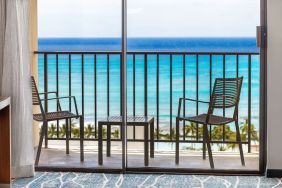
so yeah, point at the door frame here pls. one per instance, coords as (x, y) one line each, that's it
(262, 108)
(262, 120)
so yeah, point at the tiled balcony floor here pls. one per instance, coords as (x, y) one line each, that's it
(55, 156)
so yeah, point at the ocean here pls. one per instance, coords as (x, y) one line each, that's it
(149, 45)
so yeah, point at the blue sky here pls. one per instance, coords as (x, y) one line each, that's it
(149, 18)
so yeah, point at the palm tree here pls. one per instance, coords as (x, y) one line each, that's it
(160, 133)
(190, 130)
(230, 135)
(222, 148)
(244, 132)
(115, 134)
(216, 133)
(200, 132)
(88, 131)
(172, 134)
(62, 131)
(52, 131)
(75, 132)
(104, 132)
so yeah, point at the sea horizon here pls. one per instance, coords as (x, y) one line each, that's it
(174, 44)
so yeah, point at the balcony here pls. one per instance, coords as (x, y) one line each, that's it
(155, 82)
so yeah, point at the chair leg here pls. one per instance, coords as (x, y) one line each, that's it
(67, 137)
(152, 146)
(146, 145)
(108, 140)
(204, 144)
(42, 134)
(177, 142)
(240, 143)
(81, 138)
(46, 136)
(206, 134)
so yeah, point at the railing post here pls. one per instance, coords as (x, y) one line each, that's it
(224, 70)
(134, 91)
(46, 95)
(69, 81)
(249, 102)
(197, 94)
(108, 85)
(95, 94)
(210, 58)
(170, 94)
(70, 107)
(145, 85)
(184, 92)
(57, 90)
(158, 96)
(82, 90)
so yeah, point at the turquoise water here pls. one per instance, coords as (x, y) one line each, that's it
(219, 44)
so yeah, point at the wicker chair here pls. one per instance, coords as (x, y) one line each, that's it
(45, 117)
(226, 94)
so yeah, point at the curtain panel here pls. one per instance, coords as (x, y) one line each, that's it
(15, 82)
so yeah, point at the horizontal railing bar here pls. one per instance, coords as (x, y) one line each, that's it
(140, 140)
(148, 52)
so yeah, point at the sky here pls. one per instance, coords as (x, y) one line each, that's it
(148, 18)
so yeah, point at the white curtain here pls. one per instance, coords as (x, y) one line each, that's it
(15, 82)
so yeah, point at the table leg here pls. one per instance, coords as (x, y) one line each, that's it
(108, 140)
(146, 145)
(81, 138)
(100, 144)
(152, 145)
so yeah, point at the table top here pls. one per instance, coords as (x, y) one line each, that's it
(130, 120)
(4, 101)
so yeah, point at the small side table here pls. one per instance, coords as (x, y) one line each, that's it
(5, 141)
(131, 120)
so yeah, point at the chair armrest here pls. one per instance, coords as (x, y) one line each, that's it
(50, 92)
(56, 94)
(67, 97)
(194, 100)
(188, 99)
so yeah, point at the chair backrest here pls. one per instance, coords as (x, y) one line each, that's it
(35, 95)
(226, 92)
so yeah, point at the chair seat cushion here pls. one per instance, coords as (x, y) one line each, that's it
(214, 120)
(54, 116)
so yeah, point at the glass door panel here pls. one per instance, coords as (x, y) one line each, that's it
(79, 55)
(176, 49)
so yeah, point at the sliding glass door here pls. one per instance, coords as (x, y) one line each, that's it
(131, 63)
(80, 44)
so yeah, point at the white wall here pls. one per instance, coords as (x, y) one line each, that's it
(274, 90)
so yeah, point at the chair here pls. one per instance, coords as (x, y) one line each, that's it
(45, 117)
(226, 94)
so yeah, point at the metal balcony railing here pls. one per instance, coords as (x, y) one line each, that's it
(148, 73)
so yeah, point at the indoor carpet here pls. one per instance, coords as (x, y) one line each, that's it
(89, 180)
